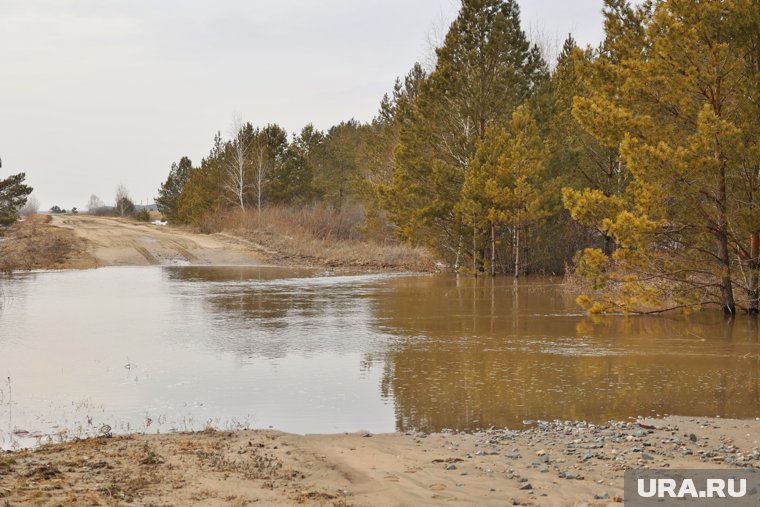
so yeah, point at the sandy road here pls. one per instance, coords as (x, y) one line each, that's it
(119, 242)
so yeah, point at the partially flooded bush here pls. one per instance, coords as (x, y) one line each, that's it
(318, 234)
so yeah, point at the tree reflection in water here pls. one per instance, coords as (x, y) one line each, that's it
(477, 353)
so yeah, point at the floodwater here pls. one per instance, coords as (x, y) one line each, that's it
(156, 349)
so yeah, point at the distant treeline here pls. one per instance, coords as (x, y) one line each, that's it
(636, 162)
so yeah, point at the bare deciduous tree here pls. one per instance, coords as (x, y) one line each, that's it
(260, 164)
(124, 204)
(31, 207)
(237, 180)
(94, 203)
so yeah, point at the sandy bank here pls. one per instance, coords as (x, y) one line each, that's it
(86, 241)
(118, 242)
(552, 464)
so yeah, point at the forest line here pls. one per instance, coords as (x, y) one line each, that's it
(636, 164)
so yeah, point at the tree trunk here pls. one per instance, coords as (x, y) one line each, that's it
(754, 264)
(459, 253)
(525, 268)
(474, 253)
(517, 252)
(609, 245)
(493, 249)
(726, 285)
(258, 196)
(241, 174)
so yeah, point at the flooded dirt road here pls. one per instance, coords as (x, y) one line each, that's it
(121, 242)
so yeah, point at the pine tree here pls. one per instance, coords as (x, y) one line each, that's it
(586, 81)
(381, 138)
(485, 69)
(505, 183)
(172, 188)
(13, 195)
(338, 168)
(204, 191)
(682, 118)
(292, 181)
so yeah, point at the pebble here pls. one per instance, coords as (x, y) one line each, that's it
(579, 445)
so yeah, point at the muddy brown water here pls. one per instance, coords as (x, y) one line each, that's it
(156, 349)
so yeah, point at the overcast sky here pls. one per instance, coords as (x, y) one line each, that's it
(94, 93)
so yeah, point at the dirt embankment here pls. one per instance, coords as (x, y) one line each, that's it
(37, 244)
(553, 464)
(84, 241)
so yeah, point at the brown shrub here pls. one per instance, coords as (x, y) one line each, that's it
(319, 235)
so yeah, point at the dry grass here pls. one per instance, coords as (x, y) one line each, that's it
(33, 244)
(573, 282)
(318, 235)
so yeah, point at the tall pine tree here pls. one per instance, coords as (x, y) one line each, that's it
(485, 69)
(684, 237)
(172, 188)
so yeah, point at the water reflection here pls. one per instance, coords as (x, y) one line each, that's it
(271, 312)
(480, 353)
(308, 351)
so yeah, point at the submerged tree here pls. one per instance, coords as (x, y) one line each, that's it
(683, 235)
(485, 69)
(505, 184)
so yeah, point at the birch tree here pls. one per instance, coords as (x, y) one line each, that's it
(236, 181)
(124, 205)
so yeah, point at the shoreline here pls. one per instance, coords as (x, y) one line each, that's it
(54, 242)
(553, 464)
